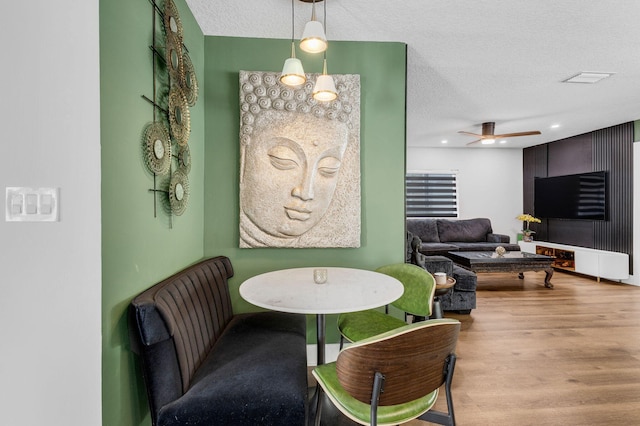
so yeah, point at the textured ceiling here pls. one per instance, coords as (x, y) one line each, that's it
(476, 61)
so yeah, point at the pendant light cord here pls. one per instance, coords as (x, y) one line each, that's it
(324, 19)
(324, 22)
(293, 17)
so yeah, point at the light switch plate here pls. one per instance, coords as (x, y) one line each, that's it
(25, 204)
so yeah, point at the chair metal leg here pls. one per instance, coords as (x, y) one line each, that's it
(447, 419)
(318, 405)
(378, 382)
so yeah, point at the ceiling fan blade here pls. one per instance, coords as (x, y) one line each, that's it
(474, 142)
(513, 135)
(470, 134)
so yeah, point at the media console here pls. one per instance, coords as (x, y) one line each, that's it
(598, 263)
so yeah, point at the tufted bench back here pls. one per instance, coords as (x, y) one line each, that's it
(176, 322)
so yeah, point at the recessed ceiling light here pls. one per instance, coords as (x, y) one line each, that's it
(588, 77)
(445, 141)
(503, 141)
(555, 126)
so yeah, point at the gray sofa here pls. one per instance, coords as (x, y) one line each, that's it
(440, 236)
(462, 297)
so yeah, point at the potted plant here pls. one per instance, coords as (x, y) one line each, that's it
(527, 234)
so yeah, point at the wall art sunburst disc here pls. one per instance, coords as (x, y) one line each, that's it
(174, 59)
(184, 159)
(157, 148)
(189, 80)
(179, 192)
(172, 22)
(179, 116)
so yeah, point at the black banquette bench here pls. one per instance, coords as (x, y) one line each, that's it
(203, 365)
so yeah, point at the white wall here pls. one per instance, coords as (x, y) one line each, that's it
(489, 182)
(50, 369)
(635, 279)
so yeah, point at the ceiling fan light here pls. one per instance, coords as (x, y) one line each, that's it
(313, 38)
(488, 141)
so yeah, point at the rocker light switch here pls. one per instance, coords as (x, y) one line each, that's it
(32, 204)
(45, 203)
(16, 203)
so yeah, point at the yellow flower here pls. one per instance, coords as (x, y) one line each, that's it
(525, 217)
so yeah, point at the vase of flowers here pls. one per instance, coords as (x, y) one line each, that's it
(526, 219)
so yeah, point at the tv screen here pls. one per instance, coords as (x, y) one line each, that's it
(580, 196)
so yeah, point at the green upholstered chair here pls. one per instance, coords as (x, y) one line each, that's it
(417, 299)
(394, 377)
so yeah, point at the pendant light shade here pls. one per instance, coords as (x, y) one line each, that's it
(313, 39)
(325, 88)
(292, 71)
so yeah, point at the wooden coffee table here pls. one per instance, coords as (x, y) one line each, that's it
(513, 261)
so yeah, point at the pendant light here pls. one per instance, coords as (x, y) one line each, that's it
(325, 88)
(313, 38)
(292, 72)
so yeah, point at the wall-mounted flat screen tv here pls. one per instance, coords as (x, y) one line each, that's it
(579, 196)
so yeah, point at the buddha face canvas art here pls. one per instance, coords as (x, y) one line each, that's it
(299, 164)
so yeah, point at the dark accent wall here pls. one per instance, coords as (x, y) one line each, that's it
(609, 149)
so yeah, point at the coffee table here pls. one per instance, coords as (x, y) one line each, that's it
(513, 261)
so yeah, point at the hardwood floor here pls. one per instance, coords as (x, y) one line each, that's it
(529, 355)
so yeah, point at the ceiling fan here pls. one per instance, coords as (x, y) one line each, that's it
(488, 136)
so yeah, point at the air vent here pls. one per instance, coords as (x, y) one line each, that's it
(588, 77)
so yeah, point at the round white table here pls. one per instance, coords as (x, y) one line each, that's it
(346, 290)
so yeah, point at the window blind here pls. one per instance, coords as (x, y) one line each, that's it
(431, 195)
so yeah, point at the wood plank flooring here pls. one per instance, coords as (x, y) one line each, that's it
(529, 355)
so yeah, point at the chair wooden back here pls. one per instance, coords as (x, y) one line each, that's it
(412, 359)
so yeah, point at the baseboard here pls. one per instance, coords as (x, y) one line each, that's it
(330, 353)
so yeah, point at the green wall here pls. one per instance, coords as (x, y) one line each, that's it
(138, 249)
(381, 67)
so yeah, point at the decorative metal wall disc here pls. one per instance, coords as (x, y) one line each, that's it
(179, 117)
(157, 148)
(184, 159)
(172, 22)
(179, 192)
(189, 80)
(173, 57)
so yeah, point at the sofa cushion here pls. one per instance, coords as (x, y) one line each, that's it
(467, 230)
(497, 238)
(247, 376)
(463, 246)
(426, 229)
(437, 248)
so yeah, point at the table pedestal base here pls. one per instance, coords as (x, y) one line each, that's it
(320, 333)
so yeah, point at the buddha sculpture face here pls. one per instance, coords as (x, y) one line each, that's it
(289, 171)
(299, 164)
